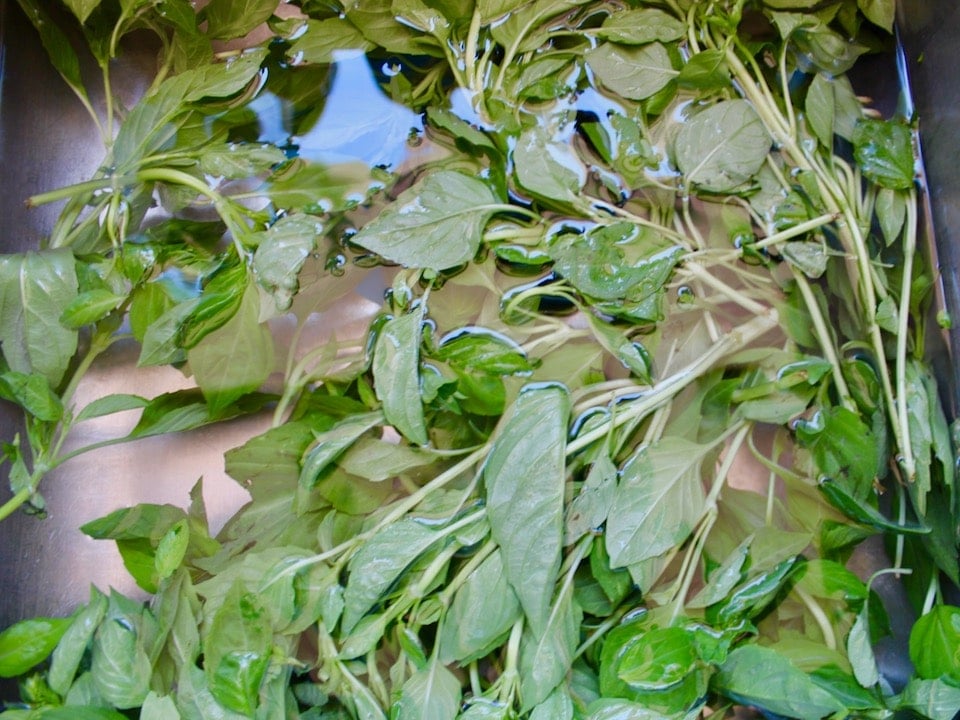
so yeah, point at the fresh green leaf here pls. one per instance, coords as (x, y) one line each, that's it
(120, 664)
(330, 444)
(658, 501)
(641, 26)
(547, 166)
(281, 254)
(322, 39)
(61, 53)
(706, 70)
(90, 307)
(82, 8)
(35, 290)
(435, 225)
(935, 643)
(545, 658)
(379, 562)
(759, 676)
(159, 707)
(524, 478)
(590, 508)
(396, 374)
(431, 693)
(109, 404)
(722, 147)
(635, 73)
(227, 19)
(860, 651)
(33, 394)
(481, 614)
(28, 643)
(884, 152)
(879, 12)
(236, 650)
(934, 699)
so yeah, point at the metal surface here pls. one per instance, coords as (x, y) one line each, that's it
(47, 140)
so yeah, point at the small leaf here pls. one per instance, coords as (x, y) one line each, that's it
(860, 651)
(820, 109)
(109, 404)
(90, 307)
(481, 614)
(706, 70)
(320, 40)
(120, 664)
(378, 564)
(74, 643)
(880, 12)
(33, 394)
(436, 224)
(547, 166)
(639, 27)
(659, 499)
(82, 8)
(546, 658)
(884, 152)
(282, 251)
(330, 444)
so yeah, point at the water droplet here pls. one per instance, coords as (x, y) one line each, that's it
(336, 263)
(391, 69)
(685, 295)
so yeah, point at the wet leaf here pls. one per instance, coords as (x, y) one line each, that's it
(935, 644)
(432, 693)
(884, 152)
(721, 148)
(545, 658)
(436, 224)
(524, 477)
(228, 19)
(28, 643)
(658, 501)
(632, 72)
(641, 26)
(396, 374)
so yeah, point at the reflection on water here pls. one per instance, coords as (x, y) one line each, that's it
(358, 122)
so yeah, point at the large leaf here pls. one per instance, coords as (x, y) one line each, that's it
(74, 643)
(432, 693)
(121, 666)
(396, 374)
(237, 649)
(884, 152)
(35, 289)
(658, 502)
(524, 477)
(721, 148)
(760, 676)
(934, 644)
(28, 643)
(379, 562)
(436, 224)
(934, 699)
(330, 444)
(236, 358)
(633, 72)
(482, 613)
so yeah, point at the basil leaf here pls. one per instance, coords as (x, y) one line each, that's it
(82, 8)
(934, 699)
(89, 307)
(74, 643)
(227, 19)
(724, 578)
(379, 460)
(396, 374)
(120, 665)
(481, 614)
(820, 107)
(547, 166)
(642, 26)
(378, 563)
(35, 289)
(61, 53)
(860, 651)
(721, 148)
(634, 73)
(237, 650)
(157, 707)
(321, 39)
(431, 693)
(28, 643)
(884, 151)
(478, 350)
(236, 358)
(33, 394)
(545, 658)
(658, 501)
(589, 509)
(109, 404)
(760, 676)
(330, 444)
(436, 224)
(524, 477)
(706, 70)
(934, 640)
(879, 12)
(239, 160)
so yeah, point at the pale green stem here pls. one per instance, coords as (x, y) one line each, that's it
(906, 459)
(824, 337)
(691, 560)
(795, 231)
(819, 616)
(662, 392)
